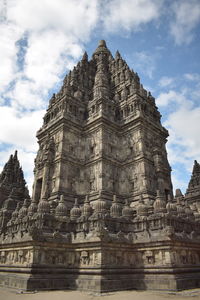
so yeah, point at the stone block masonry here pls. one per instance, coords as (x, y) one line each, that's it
(102, 216)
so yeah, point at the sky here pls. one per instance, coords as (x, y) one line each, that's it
(41, 40)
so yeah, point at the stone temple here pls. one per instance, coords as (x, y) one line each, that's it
(102, 216)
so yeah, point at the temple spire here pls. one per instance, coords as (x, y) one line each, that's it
(101, 82)
(196, 168)
(12, 177)
(193, 190)
(117, 55)
(85, 56)
(102, 48)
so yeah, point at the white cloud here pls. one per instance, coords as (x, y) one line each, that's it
(20, 129)
(130, 14)
(26, 96)
(184, 144)
(194, 79)
(42, 67)
(187, 16)
(68, 16)
(183, 123)
(144, 62)
(54, 33)
(9, 34)
(192, 76)
(166, 81)
(44, 61)
(39, 40)
(184, 127)
(165, 99)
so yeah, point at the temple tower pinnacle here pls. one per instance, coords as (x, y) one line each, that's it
(105, 135)
(102, 216)
(12, 177)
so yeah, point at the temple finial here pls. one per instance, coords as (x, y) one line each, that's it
(102, 43)
(102, 48)
(15, 155)
(117, 55)
(85, 56)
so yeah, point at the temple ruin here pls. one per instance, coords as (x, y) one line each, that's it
(102, 215)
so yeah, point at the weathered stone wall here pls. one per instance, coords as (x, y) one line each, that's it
(101, 266)
(102, 216)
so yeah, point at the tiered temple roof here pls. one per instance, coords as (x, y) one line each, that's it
(193, 190)
(102, 216)
(12, 177)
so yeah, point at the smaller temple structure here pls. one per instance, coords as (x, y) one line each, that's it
(193, 190)
(13, 189)
(12, 177)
